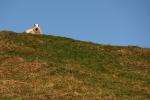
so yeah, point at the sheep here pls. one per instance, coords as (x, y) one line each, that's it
(35, 30)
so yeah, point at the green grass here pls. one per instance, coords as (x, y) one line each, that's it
(44, 67)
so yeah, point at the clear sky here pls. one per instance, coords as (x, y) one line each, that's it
(115, 22)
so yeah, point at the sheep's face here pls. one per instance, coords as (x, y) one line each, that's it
(36, 30)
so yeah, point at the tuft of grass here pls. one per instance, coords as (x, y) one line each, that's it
(48, 67)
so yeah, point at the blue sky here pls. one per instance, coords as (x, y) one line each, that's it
(115, 22)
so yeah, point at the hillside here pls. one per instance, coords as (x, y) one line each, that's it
(44, 67)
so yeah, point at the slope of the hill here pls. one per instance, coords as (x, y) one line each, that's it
(39, 67)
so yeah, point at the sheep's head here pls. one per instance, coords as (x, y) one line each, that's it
(36, 25)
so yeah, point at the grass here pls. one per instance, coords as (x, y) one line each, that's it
(44, 67)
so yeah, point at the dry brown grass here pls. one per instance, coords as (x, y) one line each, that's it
(69, 87)
(30, 67)
(134, 51)
(124, 52)
(7, 45)
(138, 86)
(134, 64)
(13, 87)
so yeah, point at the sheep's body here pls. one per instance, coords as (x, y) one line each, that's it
(35, 30)
(29, 31)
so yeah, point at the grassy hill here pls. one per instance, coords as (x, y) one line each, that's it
(44, 67)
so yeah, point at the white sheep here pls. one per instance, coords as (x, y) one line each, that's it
(35, 30)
